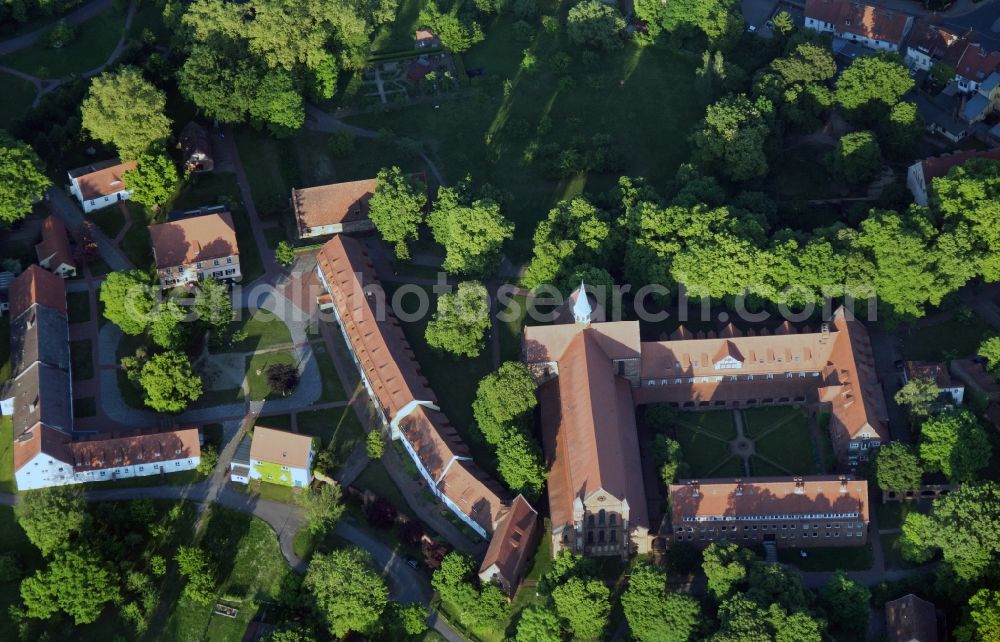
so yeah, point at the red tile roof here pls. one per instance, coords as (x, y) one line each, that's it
(511, 544)
(37, 285)
(938, 41)
(197, 238)
(911, 619)
(332, 204)
(978, 62)
(861, 19)
(104, 181)
(937, 166)
(55, 244)
(281, 447)
(133, 450)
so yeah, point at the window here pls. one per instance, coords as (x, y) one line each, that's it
(198, 265)
(612, 518)
(601, 517)
(590, 521)
(215, 262)
(229, 259)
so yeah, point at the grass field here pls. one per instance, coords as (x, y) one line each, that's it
(702, 452)
(95, 40)
(758, 421)
(250, 568)
(136, 244)
(7, 455)
(717, 423)
(338, 428)
(263, 329)
(110, 220)
(17, 99)
(488, 131)
(78, 306)
(787, 445)
(374, 478)
(81, 359)
(332, 388)
(946, 340)
(258, 382)
(846, 558)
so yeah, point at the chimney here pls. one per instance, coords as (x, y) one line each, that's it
(843, 485)
(739, 487)
(695, 488)
(800, 486)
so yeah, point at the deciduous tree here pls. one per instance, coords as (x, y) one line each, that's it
(169, 382)
(989, 349)
(918, 395)
(374, 445)
(323, 508)
(871, 86)
(982, 619)
(955, 444)
(213, 304)
(349, 594)
(574, 233)
(22, 179)
(397, 208)
(153, 181)
(584, 606)
(857, 157)
(282, 378)
(76, 582)
(502, 398)
(471, 231)
(128, 299)
(52, 517)
(725, 565)
(456, 33)
(655, 615)
(126, 111)
(846, 604)
(897, 467)
(194, 564)
(460, 323)
(538, 624)
(593, 24)
(166, 325)
(519, 462)
(732, 138)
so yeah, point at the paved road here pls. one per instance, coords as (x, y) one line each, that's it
(66, 208)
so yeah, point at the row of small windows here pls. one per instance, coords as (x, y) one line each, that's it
(718, 379)
(612, 537)
(772, 527)
(681, 536)
(765, 518)
(600, 519)
(198, 266)
(731, 362)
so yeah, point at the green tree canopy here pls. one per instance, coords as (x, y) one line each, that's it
(846, 604)
(962, 526)
(397, 208)
(726, 566)
(166, 326)
(169, 382)
(903, 130)
(460, 323)
(955, 444)
(732, 138)
(52, 517)
(965, 201)
(857, 157)
(655, 615)
(195, 566)
(213, 304)
(323, 508)
(349, 594)
(374, 445)
(720, 21)
(22, 179)
(471, 231)
(456, 33)
(989, 349)
(982, 619)
(475, 607)
(153, 181)
(128, 300)
(918, 395)
(76, 582)
(503, 397)
(593, 24)
(574, 233)
(538, 624)
(897, 467)
(519, 462)
(871, 86)
(125, 110)
(584, 605)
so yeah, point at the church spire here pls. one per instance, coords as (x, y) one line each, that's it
(582, 311)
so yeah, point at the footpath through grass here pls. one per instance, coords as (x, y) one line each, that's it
(94, 42)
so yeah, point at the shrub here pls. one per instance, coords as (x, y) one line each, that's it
(60, 35)
(523, 32)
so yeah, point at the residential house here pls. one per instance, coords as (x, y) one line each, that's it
(911, 619)
(407, 406)
(792, 512)
(984, 101)
(875, 27)
(188, 250)
(931, 43)
(196, 148)
(281, 457)
(975, 66)
(518, 530)
(54, 253)
(973, 372)
(100, 184)
(951, 392)
(39, 400)
(941, 113)
(333, 209)
(921, 174)
(239, 465)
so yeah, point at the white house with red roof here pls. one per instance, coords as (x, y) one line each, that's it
(100, 184)
(921, 173)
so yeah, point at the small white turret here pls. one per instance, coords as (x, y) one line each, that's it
(582, 311)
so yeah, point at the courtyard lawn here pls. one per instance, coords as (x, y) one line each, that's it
(511, 330)
(846, 558)
(78, 306)
(221, 188)
(788, 446)
(338, 429)
(95, 40)
(84, 407)
(702, 452)
(759, 421)
(279, 422)
(716, 423)
(946, 340)
(730, 467)
(251, 571)
(136, 243)
(110, 220)
(332, 388)
(19, 94)
(257, 383)
(376, 479)
(488, 131)
(263, 330)
(81, 359)
(7, 455)
(760, 467)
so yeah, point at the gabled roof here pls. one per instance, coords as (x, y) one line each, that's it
(37, 285)
(433, 439)
(475, 494)
(197, 238)
(510, 545)
(937, 166)
(940, 42)
(101, 179)
(545, 343)
(860, 19)
(281, 447)
(41, 439)
(39, 335)
(729, 350)
(911, 619)
(764, 496)
(55, 244)
(128, 450)
(42, 395)
(332, 204)
(978, 62)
